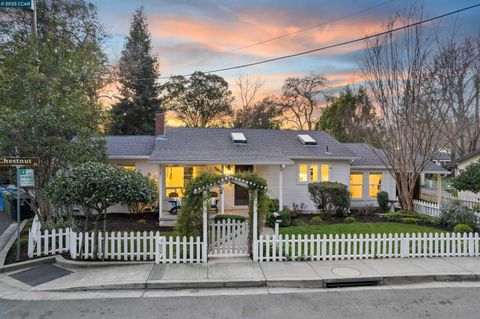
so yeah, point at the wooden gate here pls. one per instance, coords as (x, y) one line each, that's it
(228, 238)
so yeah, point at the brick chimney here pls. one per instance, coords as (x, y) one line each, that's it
(160, 123)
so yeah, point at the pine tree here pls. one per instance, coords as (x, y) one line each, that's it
(134, 114)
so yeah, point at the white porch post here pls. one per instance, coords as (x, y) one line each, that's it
(205, 226)
(422, 179)
(280, 187)
(255, 226)
(160, 191)
(222, 199)
(439, 189)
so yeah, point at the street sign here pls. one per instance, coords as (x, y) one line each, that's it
(27, 177)
(19, 161)
(17, 4)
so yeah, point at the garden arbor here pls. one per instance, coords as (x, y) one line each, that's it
(254, 189)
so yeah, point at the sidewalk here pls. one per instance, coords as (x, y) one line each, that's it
(245, 273)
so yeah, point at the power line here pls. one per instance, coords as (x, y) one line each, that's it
(310, 27)
(332, 45)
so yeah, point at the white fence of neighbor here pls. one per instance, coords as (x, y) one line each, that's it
(431, 196)
(118, 246)
(431, 209)
(228, 237)
(310, 247)
(427, 208)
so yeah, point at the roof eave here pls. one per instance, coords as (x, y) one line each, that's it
(116, 157)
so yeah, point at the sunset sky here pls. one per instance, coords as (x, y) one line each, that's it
(205, 34)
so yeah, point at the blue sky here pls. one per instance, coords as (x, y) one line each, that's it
(192, 35)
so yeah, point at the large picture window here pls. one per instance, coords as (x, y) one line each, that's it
(308, 173)
(374, 184)
(356, 185)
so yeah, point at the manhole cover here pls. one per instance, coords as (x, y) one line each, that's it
(345, 271)
(40, 274)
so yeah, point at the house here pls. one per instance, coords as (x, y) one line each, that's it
(287, 159)
(462, 163)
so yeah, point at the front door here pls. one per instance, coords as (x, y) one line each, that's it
(241, 193)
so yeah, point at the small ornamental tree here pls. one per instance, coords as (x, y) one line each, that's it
(98, 186)
(330, 198)
(468, 179)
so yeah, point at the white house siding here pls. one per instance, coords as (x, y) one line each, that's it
(388, 185)
(271, 175)
(297, 192)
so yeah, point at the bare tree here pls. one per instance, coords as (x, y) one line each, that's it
(398, 70)
(300, 99)
(248, 89)
(457, 72)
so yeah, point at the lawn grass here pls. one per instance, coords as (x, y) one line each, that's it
(358, 228)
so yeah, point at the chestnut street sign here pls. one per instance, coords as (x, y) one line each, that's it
(19, 161)
(26, 4)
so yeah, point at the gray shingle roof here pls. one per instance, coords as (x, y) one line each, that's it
(129, 145)
(369, 156)
(209, 145)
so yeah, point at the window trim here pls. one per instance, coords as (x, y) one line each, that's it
(362, 185)
(309, 167)
(368, 183)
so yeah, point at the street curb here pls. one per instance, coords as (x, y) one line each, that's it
(28, 263)
(60, 260)
(276, 283)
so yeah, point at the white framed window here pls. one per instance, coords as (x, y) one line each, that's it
(356, 185)
(375, 180)
(308, 173)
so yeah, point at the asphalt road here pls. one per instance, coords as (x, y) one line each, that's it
(389, 303)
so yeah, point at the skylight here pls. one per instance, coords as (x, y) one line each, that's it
(306, 139)
(238, 138)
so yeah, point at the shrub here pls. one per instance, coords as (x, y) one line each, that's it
(297, 209)
(452, 215)
(330, 198)
(141, 222)
(350, 220)
(476, 207)
(409, 220)
(299, 222)
(231, 217)
(382, 200)
(273, 205)
(286, 216)
(366, 210)
(462, 228)
(316, 220)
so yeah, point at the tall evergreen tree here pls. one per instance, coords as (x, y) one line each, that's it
(134, 114)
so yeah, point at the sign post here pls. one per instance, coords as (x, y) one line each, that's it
(25, 178)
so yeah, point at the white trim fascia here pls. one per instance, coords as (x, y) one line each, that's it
(115, 157)
(220, 162)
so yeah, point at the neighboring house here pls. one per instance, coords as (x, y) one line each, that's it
(287, 159)
(460, 164)
(442, 159)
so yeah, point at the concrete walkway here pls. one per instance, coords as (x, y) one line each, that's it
(245, 273)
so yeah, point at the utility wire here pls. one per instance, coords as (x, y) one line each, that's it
(310, 27)
(241, 66)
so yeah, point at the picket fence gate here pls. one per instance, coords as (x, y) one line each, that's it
(228, 237)
(310, 247)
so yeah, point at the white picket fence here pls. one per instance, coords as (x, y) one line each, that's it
(431, 196)
(427, 208)
(228, 237)
(310, 247)
(48, 243)
(117, 246)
